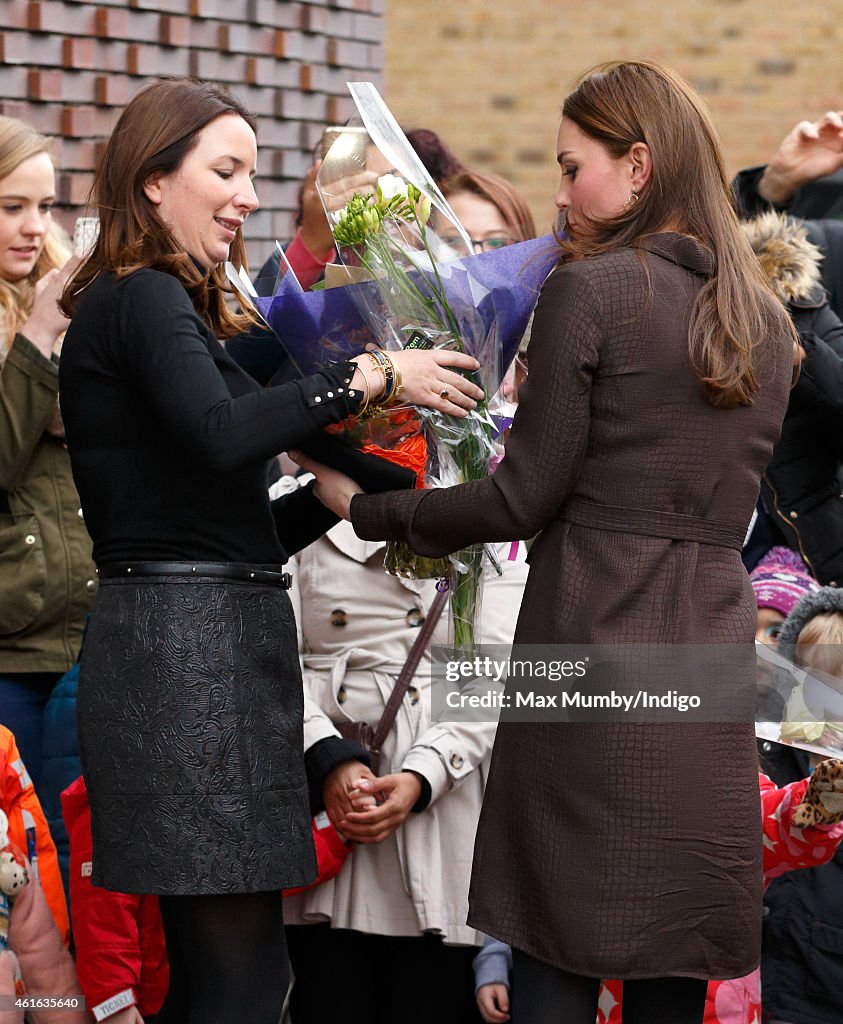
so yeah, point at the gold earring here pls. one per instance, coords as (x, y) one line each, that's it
(633, 199)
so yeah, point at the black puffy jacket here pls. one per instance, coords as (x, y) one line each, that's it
(802, 489)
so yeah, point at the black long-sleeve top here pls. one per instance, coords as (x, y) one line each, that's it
(169, 439)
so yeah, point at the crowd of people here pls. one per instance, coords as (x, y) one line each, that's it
(184, 780)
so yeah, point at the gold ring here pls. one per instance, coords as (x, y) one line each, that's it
(444, 393)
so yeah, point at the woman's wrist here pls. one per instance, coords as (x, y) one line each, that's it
(368, 379)
(40, 335)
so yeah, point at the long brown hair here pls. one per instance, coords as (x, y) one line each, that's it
(496, 190)
(619, 104)
(155, 132)
(19, 142)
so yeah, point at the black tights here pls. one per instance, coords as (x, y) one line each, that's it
(228, 959)
(542, 994)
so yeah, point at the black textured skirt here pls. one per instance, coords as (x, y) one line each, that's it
(190, 732)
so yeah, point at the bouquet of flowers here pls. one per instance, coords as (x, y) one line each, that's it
(798, 706)
(410, 289)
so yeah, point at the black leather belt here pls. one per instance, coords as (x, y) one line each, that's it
(221, 570)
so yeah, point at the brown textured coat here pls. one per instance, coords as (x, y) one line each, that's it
(620, 850)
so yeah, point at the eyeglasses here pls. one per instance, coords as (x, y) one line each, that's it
(481, 244)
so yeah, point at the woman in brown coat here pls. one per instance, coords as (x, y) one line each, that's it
(659, 373)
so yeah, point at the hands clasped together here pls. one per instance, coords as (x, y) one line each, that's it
(365, 808)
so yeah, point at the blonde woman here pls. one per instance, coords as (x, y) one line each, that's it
(46, 574)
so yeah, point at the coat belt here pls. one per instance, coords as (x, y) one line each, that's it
(652, 523)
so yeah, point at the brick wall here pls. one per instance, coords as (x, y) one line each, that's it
(68, 67)
(490, 75)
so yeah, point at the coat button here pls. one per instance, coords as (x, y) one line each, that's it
(29, 538)
(339, 617)
(793, 515)
(91, 586)
(341, 695)
(456, 761)
(766, 746)
(415, 617)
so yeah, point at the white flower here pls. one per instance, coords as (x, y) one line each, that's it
(391, 185)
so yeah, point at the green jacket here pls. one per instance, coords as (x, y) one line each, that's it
(47, 577)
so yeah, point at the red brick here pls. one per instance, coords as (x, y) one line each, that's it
(338, 109)
(78, 53)
(110, 23)
(150, 61)
(233, 39)
(43, 85)
(112, 90)
(279, 48)
(218, 67)
(15, 108)
(278, 133)
(368, 28)
(78, 154)
(73, 188)
(174, 31)
(77, 121)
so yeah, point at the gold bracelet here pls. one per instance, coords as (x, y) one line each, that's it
(378, 365)
(366, 400)
(388, 368)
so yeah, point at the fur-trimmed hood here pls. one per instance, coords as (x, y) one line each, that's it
(822, 601)
(790, 261)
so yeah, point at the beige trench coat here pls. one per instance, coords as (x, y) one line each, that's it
(357, 627)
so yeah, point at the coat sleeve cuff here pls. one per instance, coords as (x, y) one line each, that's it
(427, 763)
(108, 1007)
(321, 759)
(384, 516)
(31, 361)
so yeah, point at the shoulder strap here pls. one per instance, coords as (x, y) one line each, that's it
(409, 670)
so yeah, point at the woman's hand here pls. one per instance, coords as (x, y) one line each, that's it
(46, 321)
(334, 489)
(315, 228)
(397, 795)
(429, 377)
(811, 150)
(340, 786)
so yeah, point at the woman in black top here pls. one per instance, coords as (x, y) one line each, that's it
(190, 698)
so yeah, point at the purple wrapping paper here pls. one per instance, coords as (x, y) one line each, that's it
(492, 296)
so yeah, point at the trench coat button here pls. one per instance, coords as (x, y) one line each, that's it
(415, 617)
(765, 910)
(341, 695)
(414, 694)
(80, 513)
(29, 538)
(793, 515)
(339, 617)
(456, 761)
(766, 746)
(91, 585)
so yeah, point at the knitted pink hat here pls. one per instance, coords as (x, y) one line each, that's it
(780, 579)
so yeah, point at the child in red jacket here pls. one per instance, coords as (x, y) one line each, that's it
(121, 953)
(121, 956)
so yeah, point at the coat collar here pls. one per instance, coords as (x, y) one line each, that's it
(683, 250)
